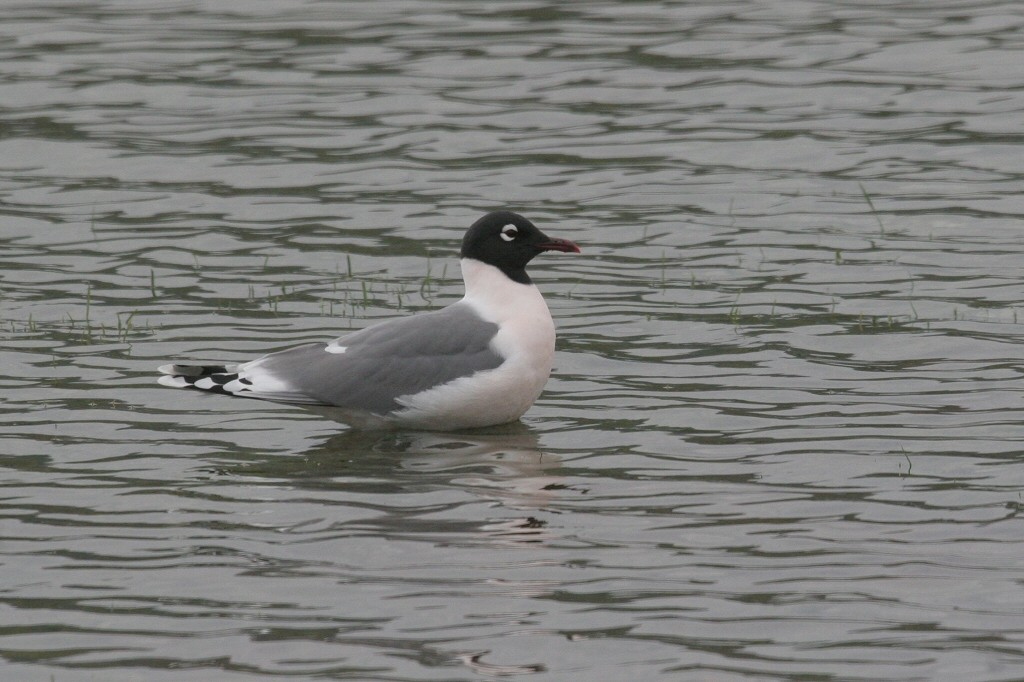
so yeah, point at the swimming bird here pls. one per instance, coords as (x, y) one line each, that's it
(478, 362)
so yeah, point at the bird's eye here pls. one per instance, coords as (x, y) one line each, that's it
(509, 232)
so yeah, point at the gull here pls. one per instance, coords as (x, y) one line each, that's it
(478, 362)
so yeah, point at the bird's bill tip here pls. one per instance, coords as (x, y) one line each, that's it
(556, 244)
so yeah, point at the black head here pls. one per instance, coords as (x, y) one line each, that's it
(508, 241)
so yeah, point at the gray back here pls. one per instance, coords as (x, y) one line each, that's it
(399, 357)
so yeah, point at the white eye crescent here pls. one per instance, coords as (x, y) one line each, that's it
(509, 232)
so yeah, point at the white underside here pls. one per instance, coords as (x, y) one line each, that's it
(526, 338)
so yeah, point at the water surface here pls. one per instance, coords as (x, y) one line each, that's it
(783, 436)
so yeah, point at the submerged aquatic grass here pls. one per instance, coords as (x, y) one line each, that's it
(871, 205)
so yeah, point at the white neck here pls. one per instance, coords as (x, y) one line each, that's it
(527, 337)
(495, 296)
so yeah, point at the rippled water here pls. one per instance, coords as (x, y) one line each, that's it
(783, 438)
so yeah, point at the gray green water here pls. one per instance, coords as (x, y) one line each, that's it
(784, 436)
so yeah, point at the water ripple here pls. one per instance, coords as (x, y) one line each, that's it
(782, 435)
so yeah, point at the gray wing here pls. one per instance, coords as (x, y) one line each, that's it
(378, 364)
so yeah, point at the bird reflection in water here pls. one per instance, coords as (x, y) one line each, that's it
(502, 465)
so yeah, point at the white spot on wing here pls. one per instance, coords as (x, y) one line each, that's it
(173, 382)
(335, 348)
(206, 383)
(262, 380)
(236, 386)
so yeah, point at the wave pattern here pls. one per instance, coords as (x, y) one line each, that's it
(784, 433)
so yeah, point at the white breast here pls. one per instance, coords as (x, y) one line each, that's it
(526, 339)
